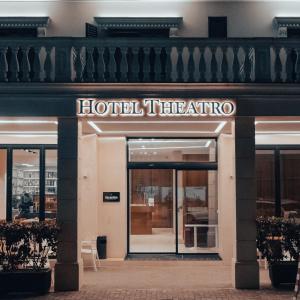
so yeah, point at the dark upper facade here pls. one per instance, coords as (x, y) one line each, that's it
(253, 45)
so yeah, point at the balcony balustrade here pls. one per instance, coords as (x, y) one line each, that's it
(182, 60)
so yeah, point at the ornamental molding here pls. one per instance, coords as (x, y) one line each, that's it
(24, 22)
(281, 24)
(137, 23)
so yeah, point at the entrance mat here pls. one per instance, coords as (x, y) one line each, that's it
(155, 256)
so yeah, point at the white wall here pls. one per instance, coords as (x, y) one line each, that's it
(226, 196)
(112, 217)
(88, 187)
(245, 18)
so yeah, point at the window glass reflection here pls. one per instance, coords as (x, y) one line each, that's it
(290, 183)
(172, 150)
(265, 173)
(26, 184)
(51, 184)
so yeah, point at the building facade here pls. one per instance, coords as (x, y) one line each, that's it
(167, 127)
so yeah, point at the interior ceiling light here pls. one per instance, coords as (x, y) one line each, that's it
(278, 132)
(27, 122)
(277, 122)
(28, 133)
(163, 148)
(94, 126)
(99, 130)
(220, 127)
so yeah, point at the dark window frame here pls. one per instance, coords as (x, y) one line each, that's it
(42, 168)
(213, 31)
(177, 166)
(277, 171)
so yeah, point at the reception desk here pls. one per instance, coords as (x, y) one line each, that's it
(141, 219)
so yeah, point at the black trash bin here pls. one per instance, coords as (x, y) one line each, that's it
(101, 246)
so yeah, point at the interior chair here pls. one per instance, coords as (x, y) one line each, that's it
(89, 254)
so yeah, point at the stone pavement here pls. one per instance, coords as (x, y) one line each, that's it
(165, 280)
(93, 293)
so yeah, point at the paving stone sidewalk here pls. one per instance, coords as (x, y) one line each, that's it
(94, 293)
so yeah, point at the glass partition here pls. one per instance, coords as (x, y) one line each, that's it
(152, 217)
(171, 150)
(197, 211)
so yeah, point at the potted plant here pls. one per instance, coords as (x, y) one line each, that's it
(278, 240)
(24, 252)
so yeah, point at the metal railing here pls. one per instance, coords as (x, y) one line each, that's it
(150, 60)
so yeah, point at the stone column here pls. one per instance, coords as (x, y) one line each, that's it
(246, 270)
(67, 269)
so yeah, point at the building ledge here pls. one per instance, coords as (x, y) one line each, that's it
(24, 22)
(137, 23)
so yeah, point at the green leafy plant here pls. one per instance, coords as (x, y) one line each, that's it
(278, 239)
(27, 246)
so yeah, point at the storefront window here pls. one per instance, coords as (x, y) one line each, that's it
(290, 183)
(50, 184)
(172, 150)
(26, 184)
(3, 178)
(265, 173)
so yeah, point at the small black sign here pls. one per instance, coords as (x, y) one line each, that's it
(111, 196)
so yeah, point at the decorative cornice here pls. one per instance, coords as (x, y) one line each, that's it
(24, 22)
(289, 22)
(140, 23)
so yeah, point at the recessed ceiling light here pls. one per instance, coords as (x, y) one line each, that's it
(94, 126)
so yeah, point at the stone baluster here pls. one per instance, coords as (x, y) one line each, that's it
(191, 65)
(90, 65)
(236, 64)
(168, 69)
(48, 64)
(36, 64)
(112, 65)
(179, 65)
(290, 64)
(224, 64)
(214, 65)
(277, 64)
(123, 65)
(157, 64)
(100, 65)
(3, 64)
(297, 65)
(135, 65)
(63, 70)
(25, 65)
(78, 64)
(247, 64)
(146, 64)
(202, 65)
(14, 67)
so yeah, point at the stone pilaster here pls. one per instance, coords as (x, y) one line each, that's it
(67, 269)
(246, 270)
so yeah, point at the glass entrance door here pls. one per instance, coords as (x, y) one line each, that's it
(197, 211)
(152, 214)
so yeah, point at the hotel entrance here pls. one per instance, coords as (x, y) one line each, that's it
(172, 201)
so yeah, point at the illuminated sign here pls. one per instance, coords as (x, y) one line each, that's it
(153, 107)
